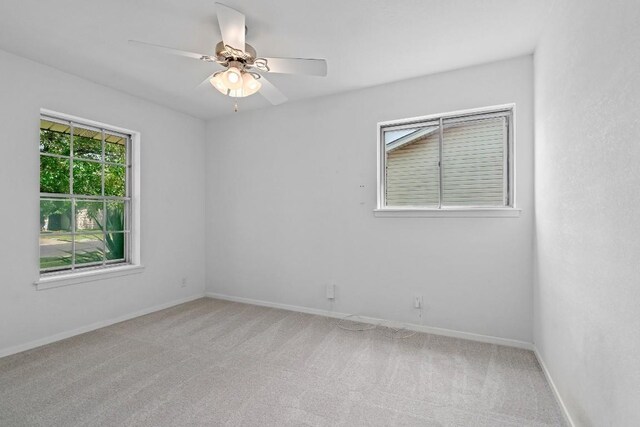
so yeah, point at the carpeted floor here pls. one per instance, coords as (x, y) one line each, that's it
(211, 362)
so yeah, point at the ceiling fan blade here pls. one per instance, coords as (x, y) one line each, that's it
(170, 50)
(205, 82)
(270, 92)
(309, 66)
(231, 26)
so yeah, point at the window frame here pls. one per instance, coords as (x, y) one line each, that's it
(131, 263)
(509, 210)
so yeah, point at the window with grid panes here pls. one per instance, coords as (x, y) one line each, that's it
(85, 203)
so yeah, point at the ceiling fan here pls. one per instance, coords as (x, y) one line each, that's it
(242, 71)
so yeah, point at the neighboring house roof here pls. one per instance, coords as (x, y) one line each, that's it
(410, 138)
(80, 131)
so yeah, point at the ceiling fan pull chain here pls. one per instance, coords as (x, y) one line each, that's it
(235, 107)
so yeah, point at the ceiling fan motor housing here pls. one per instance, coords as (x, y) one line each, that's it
(229, 54)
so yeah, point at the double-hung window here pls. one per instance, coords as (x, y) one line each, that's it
(448, 162)
(85, 196)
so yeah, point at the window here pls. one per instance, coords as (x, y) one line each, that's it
(85, 196)
(455, 161)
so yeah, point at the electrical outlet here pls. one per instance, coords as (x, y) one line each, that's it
(183, 282)
(417, 301)
(331, 291)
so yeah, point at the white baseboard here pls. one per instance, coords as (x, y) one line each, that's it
(554, 389)
(97, 325)
(382, 322)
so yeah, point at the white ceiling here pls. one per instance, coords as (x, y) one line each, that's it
(366, 42)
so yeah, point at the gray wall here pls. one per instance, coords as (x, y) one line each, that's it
(587, 297)
(172, 207)
(290, 198)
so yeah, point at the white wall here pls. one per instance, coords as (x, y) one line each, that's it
(290, 198)
(587, 297)
(172, 206)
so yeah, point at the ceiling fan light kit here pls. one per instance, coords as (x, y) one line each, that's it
(236, 83)
(243, 71)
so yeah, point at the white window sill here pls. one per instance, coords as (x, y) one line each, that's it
(447, 213)
(66, 279)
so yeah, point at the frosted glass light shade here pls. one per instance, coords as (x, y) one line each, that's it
(217, 82)
(232, 78)
(249, 84)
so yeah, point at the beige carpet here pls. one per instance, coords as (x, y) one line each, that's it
(211, 362)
